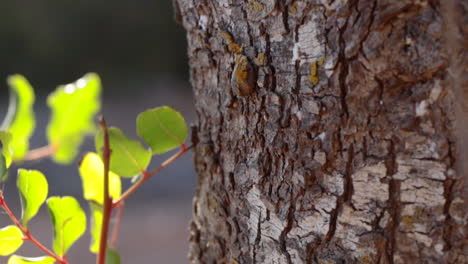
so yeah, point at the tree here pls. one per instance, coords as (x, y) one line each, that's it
(326, 131)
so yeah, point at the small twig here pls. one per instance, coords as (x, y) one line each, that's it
(116, 227)
(27, 234)
(170, 160)
(147, 175)
(40, 153)
(107, 210)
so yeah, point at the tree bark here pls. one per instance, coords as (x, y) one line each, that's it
(327, 131)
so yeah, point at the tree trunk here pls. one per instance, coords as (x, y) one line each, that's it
(326, 131)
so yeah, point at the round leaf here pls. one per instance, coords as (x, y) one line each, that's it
(15, 259)
(11, 238)
(92, 175)
(69, 222)
(73, 108)
(128, 157)
(33, 188)
(162, 128)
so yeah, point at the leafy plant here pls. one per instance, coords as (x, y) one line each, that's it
(74, 107)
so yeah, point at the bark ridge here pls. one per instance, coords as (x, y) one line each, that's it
(325, 132)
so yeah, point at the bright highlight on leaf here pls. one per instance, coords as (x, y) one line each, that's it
(73, 108)
(112, 257)
(162, 128)
(33, 188)
(15, 259)
(11, 238)
(20, 119)
(69, 222)
(92, 175)
(96, 225)
(128, 156)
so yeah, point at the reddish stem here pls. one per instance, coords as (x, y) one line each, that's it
(107, 210)
(147, 175)
(115, 230)
(27, 234)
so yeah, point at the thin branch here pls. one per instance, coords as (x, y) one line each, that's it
(40, 153)
(170, 160)
(28, 235)
(107, 210)
(147, 175)
(116, 227)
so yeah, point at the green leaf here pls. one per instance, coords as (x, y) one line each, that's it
(96, 224)
(92, 175)
(112, 257)
(15, 259)
(11, 238)
(33, 188)
(73, 108)
(162, 128)
(7, 151)
(128, 156)
(69, 222)
(22, 117)
(6, 154)
(3, 168)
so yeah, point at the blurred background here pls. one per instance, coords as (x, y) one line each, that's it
(139, 52)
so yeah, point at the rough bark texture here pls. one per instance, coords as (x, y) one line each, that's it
(325, 131)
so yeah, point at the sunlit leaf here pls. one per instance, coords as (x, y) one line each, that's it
(7, 150)
(112, 256)
(73, 108)
(162, 128)
(33, 188)
(92, 176)
(128, 157)
(69, 222)
(11, 238)
(15, 259)
(96, 224)
(20, 119)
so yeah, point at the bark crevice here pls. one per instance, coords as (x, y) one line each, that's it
(325, 132)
